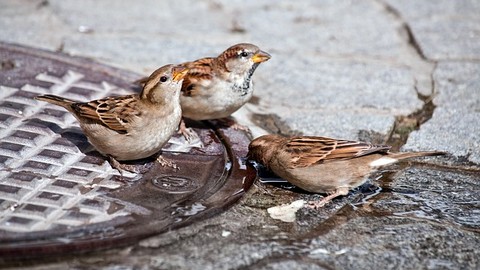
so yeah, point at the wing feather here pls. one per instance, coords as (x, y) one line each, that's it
(113, 112)
(198, 71)
(306, 151)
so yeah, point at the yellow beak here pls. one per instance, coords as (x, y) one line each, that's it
(179, 72)
(260, 57)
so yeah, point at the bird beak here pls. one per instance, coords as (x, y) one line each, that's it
(260, 57)
(179, 72)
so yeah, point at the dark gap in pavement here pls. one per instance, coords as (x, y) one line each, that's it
(405, 27)
(404, 125)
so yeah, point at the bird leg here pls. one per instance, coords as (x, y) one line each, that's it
(189, 134)
(237, 126)
(167, 163)
(320, 203)
(232, 124)
(122, 167)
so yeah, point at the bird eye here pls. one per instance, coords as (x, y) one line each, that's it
(163, 78)
(243, 54)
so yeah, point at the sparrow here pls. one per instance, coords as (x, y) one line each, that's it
(216, 87)
(133, 126)
(324, 165)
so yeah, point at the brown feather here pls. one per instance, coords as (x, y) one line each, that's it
(59, 101)
(112, 112)
(150, 83)
(306, 151)
(198, 70)
(406, 155)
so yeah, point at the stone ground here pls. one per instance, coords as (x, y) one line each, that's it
(405, 73)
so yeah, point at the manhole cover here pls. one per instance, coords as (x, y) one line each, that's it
(58, 196)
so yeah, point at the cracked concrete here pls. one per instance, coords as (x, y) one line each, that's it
(430, 23)
(416, 60)
(404, 125)
(332, 107)
(404, 73)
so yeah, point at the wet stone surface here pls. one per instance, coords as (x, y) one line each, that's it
(409, 215)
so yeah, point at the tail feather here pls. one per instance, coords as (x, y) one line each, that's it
(406, 155)
(56, 100)
(391, 158)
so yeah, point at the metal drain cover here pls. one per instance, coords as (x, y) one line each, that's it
(58, 196)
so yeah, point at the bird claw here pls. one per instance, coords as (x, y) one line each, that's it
(122, 167)
(237, 126)
(316, 204)
(341, 191)
(232, 124)
(190, 135)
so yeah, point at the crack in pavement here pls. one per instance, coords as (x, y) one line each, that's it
(414, 57)
(404, 125)
(404, 25)
(423, 70)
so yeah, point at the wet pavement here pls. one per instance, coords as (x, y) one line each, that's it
(403, 72)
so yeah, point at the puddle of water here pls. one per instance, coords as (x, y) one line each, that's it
(392, 197)
(191, 210)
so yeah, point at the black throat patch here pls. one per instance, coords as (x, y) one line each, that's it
(244, 88)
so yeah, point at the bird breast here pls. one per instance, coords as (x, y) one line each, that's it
(220, 99)
(146, 137)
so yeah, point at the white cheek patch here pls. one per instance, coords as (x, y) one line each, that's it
(382, 161)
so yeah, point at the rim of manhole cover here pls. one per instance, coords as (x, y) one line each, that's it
(59, 196)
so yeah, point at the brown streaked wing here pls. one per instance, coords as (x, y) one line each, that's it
(112, 112)
(306, 151)
(197, 71)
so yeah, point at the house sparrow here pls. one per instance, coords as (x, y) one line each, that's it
(133, 126)
(216, 87)
(324, 165)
